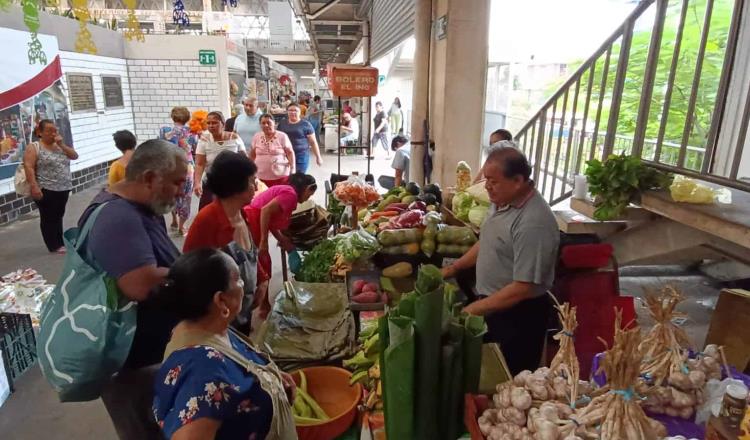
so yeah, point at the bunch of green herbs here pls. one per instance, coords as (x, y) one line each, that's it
(618, 181)
(316, 265)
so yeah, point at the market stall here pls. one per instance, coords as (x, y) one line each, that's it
(367, 295)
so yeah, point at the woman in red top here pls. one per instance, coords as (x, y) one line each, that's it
(232, 179)
(271, 212)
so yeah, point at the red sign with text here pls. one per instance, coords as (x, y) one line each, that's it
(350, 81)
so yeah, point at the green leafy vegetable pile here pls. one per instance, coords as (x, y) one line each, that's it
(316, 266)
(618, 181)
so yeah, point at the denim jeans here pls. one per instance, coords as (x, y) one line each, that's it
(302, 160)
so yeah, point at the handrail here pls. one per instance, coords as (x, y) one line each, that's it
(637, 12)
(558, 141)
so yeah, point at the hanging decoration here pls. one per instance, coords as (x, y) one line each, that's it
(179, 16)
(31, 19)
(232, 3)
(284, 80)
(84, 42)
(132, 26)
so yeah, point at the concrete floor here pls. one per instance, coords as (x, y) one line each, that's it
(33, 411)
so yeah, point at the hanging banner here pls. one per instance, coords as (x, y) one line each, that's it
(350, 81)
(132, 26)
(28, 94)
(31, 19)
(84, 42)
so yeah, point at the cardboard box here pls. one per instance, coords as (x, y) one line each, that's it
(729, 326)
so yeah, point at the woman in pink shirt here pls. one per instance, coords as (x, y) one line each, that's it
(271, 211)
(272, 152)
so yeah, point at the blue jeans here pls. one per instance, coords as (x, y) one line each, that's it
(302, 160)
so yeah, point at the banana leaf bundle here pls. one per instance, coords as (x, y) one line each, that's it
(431, 356)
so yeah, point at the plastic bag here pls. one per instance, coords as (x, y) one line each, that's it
(714, 394)
(310, 322)
(357, 244)
(685, 189)
(355, 191)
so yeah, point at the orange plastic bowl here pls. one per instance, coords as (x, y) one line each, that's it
(329, 386)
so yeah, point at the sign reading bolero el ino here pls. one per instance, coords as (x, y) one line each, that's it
(349, 81)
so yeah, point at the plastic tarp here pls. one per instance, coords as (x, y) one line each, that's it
(309, 323)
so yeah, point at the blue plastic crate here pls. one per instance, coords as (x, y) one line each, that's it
(18, 344)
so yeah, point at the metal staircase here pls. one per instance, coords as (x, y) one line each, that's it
(656, 88)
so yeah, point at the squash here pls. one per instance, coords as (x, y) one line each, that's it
(398, 270)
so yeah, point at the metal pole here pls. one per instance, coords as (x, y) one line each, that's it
(619, 87)
(670, 81)
(648, 82)
(696, 83)
(338, 141)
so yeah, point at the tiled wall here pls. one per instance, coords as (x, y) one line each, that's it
(159, 85)
(12, 205)
(92, 130)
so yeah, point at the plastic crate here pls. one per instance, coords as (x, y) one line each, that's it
(18, 344)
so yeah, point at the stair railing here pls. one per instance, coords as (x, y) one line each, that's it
(564, 133)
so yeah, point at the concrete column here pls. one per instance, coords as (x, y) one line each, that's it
(366, 102)
(420, 100)
(457, 82)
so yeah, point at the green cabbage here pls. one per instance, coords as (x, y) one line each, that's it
(462, 203)
(479, 193)
(477, 214)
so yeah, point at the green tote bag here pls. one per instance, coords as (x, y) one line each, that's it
(87, 326)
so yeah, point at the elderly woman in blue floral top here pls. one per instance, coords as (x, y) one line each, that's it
(213, 384)
(180, 135)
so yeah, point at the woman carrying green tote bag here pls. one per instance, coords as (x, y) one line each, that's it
(87, 326)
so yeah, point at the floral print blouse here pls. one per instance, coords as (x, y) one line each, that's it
(199, 381)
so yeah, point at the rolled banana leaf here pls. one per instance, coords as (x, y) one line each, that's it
(428, 316)
(474, 330)
(451, 379)
(398, 378)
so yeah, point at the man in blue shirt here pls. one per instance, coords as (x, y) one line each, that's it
(248, 123)
(129, 241)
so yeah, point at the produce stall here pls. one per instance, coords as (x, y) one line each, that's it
(368, 296)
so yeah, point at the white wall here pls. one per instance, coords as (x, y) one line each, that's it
(165, 73)
(159, 85)
(92, 131)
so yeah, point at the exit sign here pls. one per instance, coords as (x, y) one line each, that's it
(207, 57)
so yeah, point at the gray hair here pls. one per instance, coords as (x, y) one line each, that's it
(156, 155)
(250, 99)
(511, 158)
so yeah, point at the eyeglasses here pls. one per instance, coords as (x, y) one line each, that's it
(313, 187)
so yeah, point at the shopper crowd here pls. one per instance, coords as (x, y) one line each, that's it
(191, 371)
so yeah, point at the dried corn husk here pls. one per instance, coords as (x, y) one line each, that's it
(565, 362)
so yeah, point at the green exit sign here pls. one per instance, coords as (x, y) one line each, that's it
(207, 57)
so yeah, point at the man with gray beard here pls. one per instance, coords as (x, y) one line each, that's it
(130, 243)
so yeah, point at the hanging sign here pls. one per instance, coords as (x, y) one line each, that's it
(349, 81)
(207, 57)
(84, 42)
